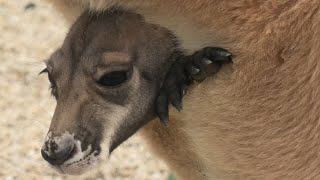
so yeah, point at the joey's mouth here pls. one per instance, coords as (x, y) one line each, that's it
(79, 161)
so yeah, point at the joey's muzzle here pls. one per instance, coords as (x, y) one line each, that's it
(65, 154)
(57, 150)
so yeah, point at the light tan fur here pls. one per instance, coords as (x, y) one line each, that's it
(258, 119)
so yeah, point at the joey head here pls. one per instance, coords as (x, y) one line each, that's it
(112, 75)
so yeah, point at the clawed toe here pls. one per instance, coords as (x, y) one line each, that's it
(196, 67)
(207, 62)
(162, 107)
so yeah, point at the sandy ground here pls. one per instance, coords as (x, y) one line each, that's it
(28, 36)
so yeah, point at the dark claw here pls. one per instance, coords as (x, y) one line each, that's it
(216, 54)
(176, 99)
(183, 72)
(194, 70)
(210, 69)
(185, 89)
(208, 61)
(201, 76)
(162, 107)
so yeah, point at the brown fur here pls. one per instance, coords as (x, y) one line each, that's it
(259, 119)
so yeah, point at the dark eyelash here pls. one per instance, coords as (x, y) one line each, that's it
(52, 90)
(52, 86)
(44, 71)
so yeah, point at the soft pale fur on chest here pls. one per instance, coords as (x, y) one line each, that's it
(259, 118)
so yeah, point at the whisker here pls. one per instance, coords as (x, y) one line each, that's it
(49, 114)
(38, 121)
(41, 127)
(38, 140)
(34, 161)
(32, 61)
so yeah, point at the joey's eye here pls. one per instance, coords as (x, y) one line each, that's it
(113, 78)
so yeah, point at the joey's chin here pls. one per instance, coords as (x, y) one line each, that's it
(81, 162)
(77, 169)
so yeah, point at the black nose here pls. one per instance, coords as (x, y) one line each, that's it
(55, 154)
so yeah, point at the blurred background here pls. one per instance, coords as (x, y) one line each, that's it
(29, 32)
